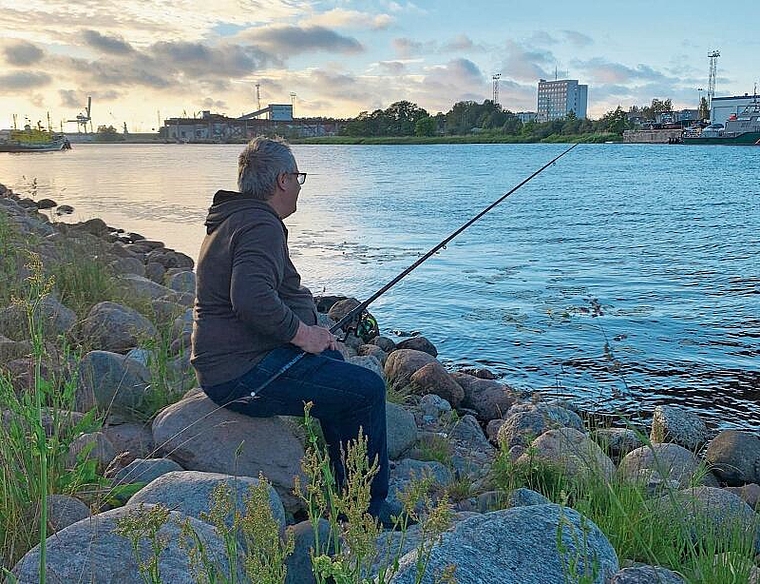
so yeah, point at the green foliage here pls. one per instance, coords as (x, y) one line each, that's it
(426, 127)
(82, 282)
(399, 119)
(37, 431)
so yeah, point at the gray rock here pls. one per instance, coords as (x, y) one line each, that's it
(750, 494)
(90, 551)
(53, 316)
(670, 461)
(402, 431)
(572, 451)
(93, 446)
(708, 513)
(110, 381)
(418, 344)
(617, 442)
(182, 282)
(368, 362)
(523, 497)
(677, 425)
(117, 328)
(145, 470)
(64, 511)
(190, 492)
(128, 265)
(433, 407)
(468, 432)
(299, 562)
(384, 343)
(131, 437)
(518, 546)
(735, 457)
(647, 575)
(155, 272)
(201, 436)
(143, 287)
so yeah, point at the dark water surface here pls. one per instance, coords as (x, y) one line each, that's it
(625, 276)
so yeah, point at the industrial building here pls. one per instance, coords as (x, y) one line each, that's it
(722, 108)
(556, 99)
(273, 119)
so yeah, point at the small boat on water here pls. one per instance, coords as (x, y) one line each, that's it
(740, 129)
(34, 140)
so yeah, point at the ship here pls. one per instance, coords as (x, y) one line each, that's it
(34, 140)
(741, 129)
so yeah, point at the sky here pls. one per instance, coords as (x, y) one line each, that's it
(143, 61)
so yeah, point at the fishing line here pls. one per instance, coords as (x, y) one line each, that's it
(358, 310)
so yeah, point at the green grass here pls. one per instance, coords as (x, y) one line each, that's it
(637, 530)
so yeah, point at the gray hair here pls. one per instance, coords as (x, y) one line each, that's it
(259, 165)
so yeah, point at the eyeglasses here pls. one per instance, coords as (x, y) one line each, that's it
(300, 177)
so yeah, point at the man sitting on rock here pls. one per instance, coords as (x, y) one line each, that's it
(252, 316)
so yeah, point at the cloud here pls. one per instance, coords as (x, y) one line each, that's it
(292, 40)
(602, 71)
(406, 47)
(23, 54)
(112, 45)
(457, 74)
(339, 18)
(577, 39)
(23, 80)
(213, 104)
(526, 65)
(392, 67)
(459, 43)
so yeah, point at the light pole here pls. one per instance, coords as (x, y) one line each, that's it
(699, 106)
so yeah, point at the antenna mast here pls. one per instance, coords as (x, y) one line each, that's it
(713, 55)
(292, 104)
(258, 96)
(496, 78)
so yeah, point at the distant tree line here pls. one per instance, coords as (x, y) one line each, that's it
(404, 118)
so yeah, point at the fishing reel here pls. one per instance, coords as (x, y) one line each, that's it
(364, 326)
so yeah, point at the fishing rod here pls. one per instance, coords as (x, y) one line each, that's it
(360, 308)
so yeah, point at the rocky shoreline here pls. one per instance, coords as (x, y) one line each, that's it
(451, 428)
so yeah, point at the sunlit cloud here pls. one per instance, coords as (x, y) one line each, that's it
(24, 80)
(352, 19)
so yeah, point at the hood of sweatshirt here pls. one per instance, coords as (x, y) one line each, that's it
(226, 203)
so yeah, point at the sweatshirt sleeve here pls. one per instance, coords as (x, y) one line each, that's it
(258, 264)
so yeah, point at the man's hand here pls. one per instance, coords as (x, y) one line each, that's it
(314, 339)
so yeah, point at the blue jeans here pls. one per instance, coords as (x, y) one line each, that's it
(345, 397)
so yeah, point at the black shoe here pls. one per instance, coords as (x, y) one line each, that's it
(391, 515)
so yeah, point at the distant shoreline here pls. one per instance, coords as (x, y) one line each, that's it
(370, 140)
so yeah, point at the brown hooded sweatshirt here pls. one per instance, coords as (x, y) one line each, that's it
(249, 298)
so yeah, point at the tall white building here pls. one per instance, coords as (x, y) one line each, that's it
(556, 99)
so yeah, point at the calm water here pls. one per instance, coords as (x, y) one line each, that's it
(625, 275)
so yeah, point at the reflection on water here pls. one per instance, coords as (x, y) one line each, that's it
(625, 276)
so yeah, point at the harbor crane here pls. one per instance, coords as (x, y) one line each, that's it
(83, 118)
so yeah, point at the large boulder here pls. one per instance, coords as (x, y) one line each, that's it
(572, 451)
(52, 316)
(735, 457)
(527, 421)
(489, 398)
(418, 343)
(190, 492)
(201, 436)
(670, 462)
(433, 378)
(111, 382)
(402, 364)
(674, 424)
(518, 546)
(143, 287)
(91, 551)
(113, 327)
(402, 431)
